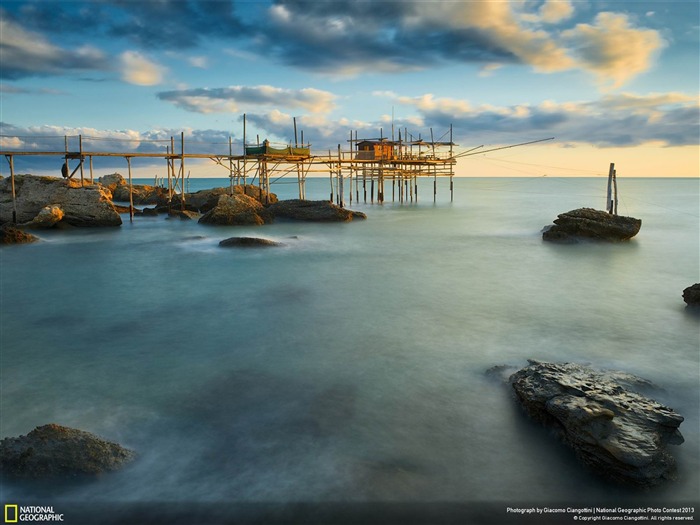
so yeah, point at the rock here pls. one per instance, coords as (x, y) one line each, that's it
(82, 205)
(111, 182)
(53, 451)
(118, 187)
(691, 295)
(321, 211)
(618, 433)
(235, 210)
(47, 217)
(149, 212)
(248, 242)
(205, 200)
(141, 194)
(13, 235)
(257, 193)
(185, 215)
(587, 223)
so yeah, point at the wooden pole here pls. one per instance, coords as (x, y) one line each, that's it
(91, 175)
(245, 166)
(131, 192)
(341, 189)
(182, 168)
(12, 184)
(435, 184)
(80, 146)
(168, 163)
(330, 173)
(608, 199)
(615, 192)
(230, 165)
(65, 140)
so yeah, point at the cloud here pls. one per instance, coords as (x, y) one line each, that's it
(613, 49)
(155, 24)
(554, 11)
(201, 62)
(347, 38)
(620, 120)
(341, 38)
(229, 99)
(26, 53)
(139, 70)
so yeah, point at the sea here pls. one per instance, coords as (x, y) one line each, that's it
(345, 374)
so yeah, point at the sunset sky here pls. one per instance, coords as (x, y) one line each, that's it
(612, 81)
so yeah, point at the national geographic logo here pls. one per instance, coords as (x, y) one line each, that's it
(23, 514)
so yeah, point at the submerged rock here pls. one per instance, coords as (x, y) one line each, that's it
(53, 451)
(618, 433)
(317, 211)
(691, 295)
(587, 223)
(12, 235)
(248, 242)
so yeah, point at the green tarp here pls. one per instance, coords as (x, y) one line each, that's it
(266, 149)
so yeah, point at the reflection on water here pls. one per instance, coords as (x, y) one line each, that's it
(349, 364)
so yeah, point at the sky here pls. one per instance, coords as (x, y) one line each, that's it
(610, 81)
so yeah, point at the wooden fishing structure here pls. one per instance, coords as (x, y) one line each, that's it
(362, 171)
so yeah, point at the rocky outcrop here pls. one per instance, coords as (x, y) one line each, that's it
(257, 193)
(185, 215)
(205, 200)
(53, 451)
(11, 235)
(87, 205)
(47, 217)
(118, 187)
(691, 295)
(618, 433)
(236, 210)
(316, 211)
(587, 223)
(248, 242)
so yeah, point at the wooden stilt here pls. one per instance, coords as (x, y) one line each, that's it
(131, 192)
(615, 192)
(11, 161)
(608, 199)
(435, 187)
(364, 184)
(80, 146)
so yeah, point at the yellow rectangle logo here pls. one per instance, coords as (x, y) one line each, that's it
(11, 513)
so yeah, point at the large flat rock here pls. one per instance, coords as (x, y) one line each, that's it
(617, 432)
(590, 224)
(80, 205)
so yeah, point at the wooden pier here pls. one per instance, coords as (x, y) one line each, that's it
(362, 171)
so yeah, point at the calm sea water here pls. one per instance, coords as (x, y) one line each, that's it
(349, 365)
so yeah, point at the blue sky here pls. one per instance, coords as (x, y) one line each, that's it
(610, 80)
